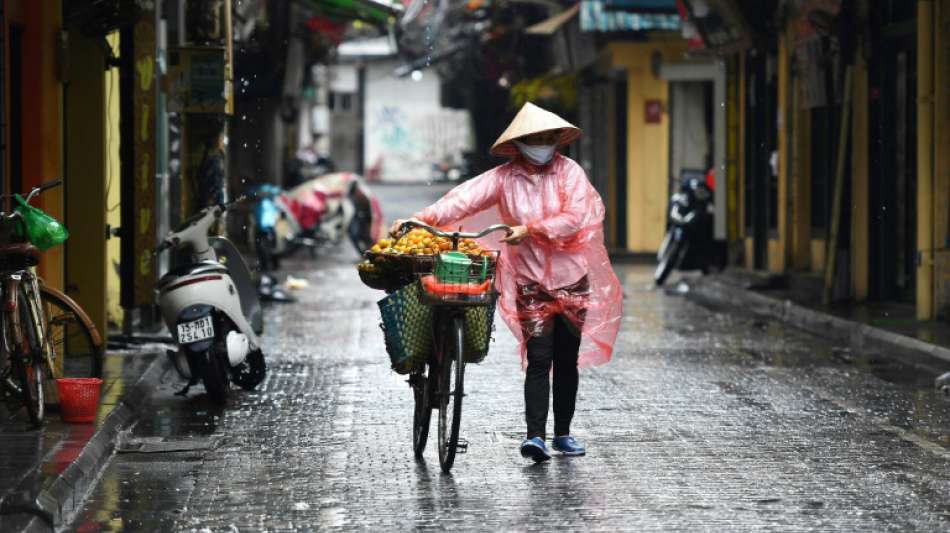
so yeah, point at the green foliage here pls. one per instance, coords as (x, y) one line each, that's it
(554, 92)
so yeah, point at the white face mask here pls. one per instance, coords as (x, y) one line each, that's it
(539, 155)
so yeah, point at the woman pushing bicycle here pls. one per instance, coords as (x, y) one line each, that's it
(558, 292)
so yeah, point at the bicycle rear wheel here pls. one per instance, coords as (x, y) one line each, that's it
(74, 341)
(451, 392)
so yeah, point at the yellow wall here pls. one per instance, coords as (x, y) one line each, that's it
(776, 259)
(941, 203)
(925, 160)
(749, 253)
(85, 177)
(647, 144)
(819, 249)
(779, 249)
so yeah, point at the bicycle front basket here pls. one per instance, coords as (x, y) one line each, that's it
(42, 230)
(407, 327)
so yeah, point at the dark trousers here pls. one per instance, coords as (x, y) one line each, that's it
(558, 349)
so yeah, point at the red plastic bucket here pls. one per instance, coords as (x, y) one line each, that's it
(78, 399)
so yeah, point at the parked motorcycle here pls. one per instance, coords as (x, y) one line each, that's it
(211, 307)
(689, 243)
(274, 226)
(317, 213)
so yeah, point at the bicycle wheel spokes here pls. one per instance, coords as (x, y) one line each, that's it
(451, 392)
(29, 375)
(74, 352)
(422, 413)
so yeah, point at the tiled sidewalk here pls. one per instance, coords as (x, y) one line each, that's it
(33, 459)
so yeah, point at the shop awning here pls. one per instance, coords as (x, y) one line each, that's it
(375, 47)
(375, 11)
(720, 23)
(596, 17)
(642, 6)
(551, 25)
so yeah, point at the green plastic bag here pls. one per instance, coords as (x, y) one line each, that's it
(42, 230)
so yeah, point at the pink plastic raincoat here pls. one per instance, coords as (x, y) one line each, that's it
(564, 216)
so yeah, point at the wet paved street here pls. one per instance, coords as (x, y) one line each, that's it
(705, 420)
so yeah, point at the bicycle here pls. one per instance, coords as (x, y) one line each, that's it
(440, 384)
(43, 332)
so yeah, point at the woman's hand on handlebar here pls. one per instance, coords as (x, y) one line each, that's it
(517, 234)
(397, 225)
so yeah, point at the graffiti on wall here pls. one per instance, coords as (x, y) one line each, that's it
(410, 139)
(392, 132)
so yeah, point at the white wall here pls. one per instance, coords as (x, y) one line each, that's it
(406, 128)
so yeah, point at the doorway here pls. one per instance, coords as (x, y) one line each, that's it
(893, 246)
(761, 184)
(691, 130)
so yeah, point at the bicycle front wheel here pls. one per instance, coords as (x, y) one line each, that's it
(28, 372)
(451, 392)
(72, 338)
(422, 414)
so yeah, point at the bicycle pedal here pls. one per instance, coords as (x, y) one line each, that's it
(461, 446)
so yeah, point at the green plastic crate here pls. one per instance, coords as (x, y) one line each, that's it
(453, 267)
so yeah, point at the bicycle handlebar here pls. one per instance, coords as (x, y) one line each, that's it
(454, 234)
(29, 197)
(50, 185)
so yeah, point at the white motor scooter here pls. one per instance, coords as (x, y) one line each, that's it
(211, 307)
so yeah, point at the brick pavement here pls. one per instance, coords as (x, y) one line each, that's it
(704, 421)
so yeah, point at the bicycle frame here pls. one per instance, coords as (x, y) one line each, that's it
(15, 341)
(19, 284)
(435, 391)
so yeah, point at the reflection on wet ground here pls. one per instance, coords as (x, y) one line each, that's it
(705, 419)
(31, 458)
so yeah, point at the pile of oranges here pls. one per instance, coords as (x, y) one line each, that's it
(421, 242)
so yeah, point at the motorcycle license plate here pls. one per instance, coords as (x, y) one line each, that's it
(196, 330)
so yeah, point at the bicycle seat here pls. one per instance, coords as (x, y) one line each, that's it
(20, 250)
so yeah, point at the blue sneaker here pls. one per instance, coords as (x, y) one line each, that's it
(568, 446)
(535, 449)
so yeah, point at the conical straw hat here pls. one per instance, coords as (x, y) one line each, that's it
(532, 119)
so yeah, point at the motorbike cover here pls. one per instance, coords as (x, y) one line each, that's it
(308, 208)
(229, 255)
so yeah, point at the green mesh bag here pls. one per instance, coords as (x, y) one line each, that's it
(42, 230)
(407, 328)
(478, 330)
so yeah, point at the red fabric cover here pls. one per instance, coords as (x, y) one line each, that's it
(308, 208)
(437, 288)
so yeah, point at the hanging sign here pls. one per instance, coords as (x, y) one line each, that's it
(144, 96)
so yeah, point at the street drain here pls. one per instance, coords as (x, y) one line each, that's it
(127, 444)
